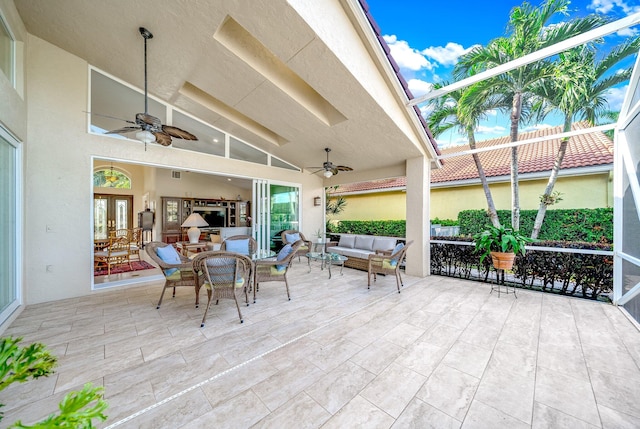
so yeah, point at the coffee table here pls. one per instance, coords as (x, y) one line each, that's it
(326, 259)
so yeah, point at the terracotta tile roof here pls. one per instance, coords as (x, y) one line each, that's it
(585, 150)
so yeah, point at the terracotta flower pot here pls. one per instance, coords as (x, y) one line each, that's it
(502, 260)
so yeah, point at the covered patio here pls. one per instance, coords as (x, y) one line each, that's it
(443, 353)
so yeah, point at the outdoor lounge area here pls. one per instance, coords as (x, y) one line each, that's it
(443, 353)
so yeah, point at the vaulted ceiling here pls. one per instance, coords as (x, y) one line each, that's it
(253, 68)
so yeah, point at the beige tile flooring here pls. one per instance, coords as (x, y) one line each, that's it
(443, 353)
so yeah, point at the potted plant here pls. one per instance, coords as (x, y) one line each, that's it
(502, 244)
(319, 235)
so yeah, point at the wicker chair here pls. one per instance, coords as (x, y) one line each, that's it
(175, 274)
(224, 275)
(304, 248)
(253, 244)
(135, 242)
(116, 253)
(266, 270)
(385, 262)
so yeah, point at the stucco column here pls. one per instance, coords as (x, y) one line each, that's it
(418, 181)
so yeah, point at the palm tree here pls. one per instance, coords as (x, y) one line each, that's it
(459, 109)
(528, 32)
(579, 92)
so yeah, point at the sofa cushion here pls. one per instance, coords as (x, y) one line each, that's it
(351, 253)
(383, 243)
(347, 241)
(364, 242)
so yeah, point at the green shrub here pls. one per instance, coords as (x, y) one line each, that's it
(584, 225)
(388, 228)
(444, 222)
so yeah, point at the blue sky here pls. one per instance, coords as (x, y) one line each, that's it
(427, 37)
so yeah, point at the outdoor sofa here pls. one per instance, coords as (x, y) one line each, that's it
(357, 248)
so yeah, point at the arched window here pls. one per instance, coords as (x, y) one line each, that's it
(111, 178)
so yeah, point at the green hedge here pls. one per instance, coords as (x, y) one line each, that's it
(586, 225)
(389, 228)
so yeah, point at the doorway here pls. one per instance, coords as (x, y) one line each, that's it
(111, 212)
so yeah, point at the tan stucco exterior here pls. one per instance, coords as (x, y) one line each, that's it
(583, 191)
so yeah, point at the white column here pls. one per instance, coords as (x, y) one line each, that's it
(418, 224)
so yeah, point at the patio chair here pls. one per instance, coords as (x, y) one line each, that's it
(243, 244)
(177, 269)
(290, 236)
(385, 262)
(117, 252)
(224, 275)
(275, 270)
(135, 242)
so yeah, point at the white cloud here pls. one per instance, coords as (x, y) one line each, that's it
(536, 127)
(496, 129)
(443, 144)
(419, 87)
(615, 97)
(447, 55)
(406, 56)
(606, 6)
(492, 112)
(627, 32)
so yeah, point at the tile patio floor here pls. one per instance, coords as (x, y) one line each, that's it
(443, 353)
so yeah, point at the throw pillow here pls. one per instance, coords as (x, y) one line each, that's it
(238, 246)
(284, 252)
(292, 238)
(398, 248)
(169, 255)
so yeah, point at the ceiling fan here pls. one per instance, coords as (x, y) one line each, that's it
(149, 127)
(329, 168)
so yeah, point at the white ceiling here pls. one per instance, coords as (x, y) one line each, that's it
(186, 52)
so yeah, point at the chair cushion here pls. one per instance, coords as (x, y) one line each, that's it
(169, 255)
(389, 264)
(284, 252)
(176, 274)
(276, 272)
(292, 238)
(239, 283)
(364, 242)
(238, 246)
(347, 241)
(383, 243)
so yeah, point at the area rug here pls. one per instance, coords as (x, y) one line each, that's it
(124, 268)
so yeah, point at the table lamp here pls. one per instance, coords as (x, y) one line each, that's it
(193, 222)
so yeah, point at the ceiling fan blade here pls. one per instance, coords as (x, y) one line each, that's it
(178, 133)
(145, 118)
(123, 130)
(162, 138)
(343, 168)
(334, 171)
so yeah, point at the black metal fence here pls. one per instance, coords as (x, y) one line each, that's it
(577, 269)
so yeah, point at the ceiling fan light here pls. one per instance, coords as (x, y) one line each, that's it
(327, 173)
(145, 136)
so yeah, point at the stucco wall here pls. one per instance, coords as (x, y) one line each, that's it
(589, 191)
(59, 171)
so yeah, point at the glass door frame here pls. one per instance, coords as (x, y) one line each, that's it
(17, 207)
(261, 210)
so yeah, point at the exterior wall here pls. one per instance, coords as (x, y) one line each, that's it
(375, 206)
(588, 191)
(13, 117)
(59, 170)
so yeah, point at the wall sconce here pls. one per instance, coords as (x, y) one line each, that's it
(317, 201)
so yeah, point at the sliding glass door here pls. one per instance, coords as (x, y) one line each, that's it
(10, 225)
(276, 208)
